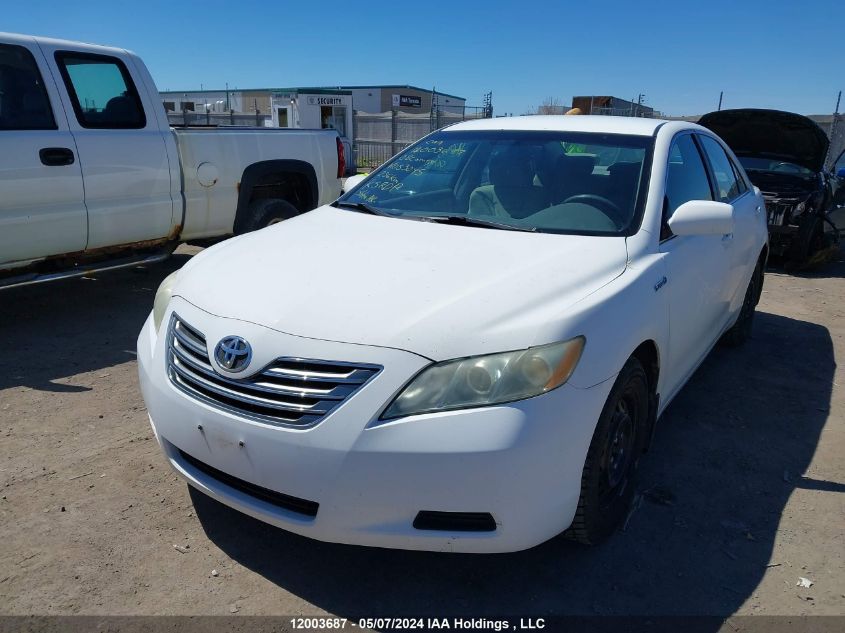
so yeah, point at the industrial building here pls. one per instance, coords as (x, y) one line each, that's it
(308, 107)
(612, 106)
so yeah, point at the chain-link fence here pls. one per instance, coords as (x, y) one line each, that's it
(836, 132)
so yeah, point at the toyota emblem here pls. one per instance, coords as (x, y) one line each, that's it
(233, 353)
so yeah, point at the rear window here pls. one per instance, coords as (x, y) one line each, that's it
(101, 90)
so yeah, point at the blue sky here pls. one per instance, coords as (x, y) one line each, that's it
(779, 54)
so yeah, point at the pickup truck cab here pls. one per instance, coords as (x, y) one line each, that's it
(93, 176)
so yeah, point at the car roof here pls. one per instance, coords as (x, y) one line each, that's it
(574, 123)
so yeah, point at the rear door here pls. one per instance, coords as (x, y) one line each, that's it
(121, 148)
(697, 266)
(730, 186)
(42, 207)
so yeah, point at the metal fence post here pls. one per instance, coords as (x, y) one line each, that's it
(393, 114)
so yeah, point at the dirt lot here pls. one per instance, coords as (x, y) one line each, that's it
(742, 493)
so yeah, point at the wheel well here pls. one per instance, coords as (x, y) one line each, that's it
(648, 356)
(286, 186)
(294, 181)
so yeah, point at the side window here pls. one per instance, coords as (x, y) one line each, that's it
(686, 179)
(740, 178)
(101, 90)
(727, 186)
(24, 104)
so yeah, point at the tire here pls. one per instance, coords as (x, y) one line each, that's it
(609, 477)
(263, 213)
(809, 241)
(741, 330)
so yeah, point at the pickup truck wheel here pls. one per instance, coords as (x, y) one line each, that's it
(608, 480)
(262, 213)
(741, 330)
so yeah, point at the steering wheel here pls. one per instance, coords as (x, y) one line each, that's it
(608, 207)
(787, 168)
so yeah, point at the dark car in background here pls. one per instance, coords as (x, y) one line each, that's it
(784, 155)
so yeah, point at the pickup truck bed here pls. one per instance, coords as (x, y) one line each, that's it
(93, 174)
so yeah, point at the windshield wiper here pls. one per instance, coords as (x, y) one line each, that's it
(463, 220)
(363, 207)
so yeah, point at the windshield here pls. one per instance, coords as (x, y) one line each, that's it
(553, 182)
(755, 163)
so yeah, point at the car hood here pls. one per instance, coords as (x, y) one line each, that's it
(770, 134)
(440, 291)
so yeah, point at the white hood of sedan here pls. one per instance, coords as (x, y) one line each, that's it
(441, 291)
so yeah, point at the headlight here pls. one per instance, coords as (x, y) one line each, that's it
(163, 294)
(489, 379)
(799, 208)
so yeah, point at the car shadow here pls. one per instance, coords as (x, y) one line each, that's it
(728, 453)
(63, 328)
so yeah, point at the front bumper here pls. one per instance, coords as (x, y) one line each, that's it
(519, 462)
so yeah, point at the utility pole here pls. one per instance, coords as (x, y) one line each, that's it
(227, 96)
(721, 94)
(833, 126)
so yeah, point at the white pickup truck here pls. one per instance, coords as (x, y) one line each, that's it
(92, 176)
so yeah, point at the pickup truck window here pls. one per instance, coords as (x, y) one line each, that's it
(101, 90)
(24, 104)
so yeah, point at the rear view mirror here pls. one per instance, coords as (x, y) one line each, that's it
(353, 181)
(702, 217)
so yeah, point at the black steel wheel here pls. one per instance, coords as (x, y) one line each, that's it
(609, 477)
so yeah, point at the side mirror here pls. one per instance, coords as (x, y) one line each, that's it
(702, 217)
(353, 181)
(840, 173)
(757, 191)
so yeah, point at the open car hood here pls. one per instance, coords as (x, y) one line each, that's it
(770, 134)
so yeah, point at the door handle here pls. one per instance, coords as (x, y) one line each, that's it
(56, 156)
(759, 208)
(727, 237)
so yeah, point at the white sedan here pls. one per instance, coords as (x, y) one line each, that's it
(469, 350)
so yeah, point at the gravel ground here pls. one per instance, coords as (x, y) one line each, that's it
(741, 495)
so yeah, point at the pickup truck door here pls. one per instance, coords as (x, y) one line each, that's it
(698, 267)
(42, 207)
(121, 148)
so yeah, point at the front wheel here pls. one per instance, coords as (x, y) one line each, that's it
(608, 480)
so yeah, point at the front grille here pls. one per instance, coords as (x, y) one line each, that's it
(281, 500)
(779, 210)
(287, 392)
